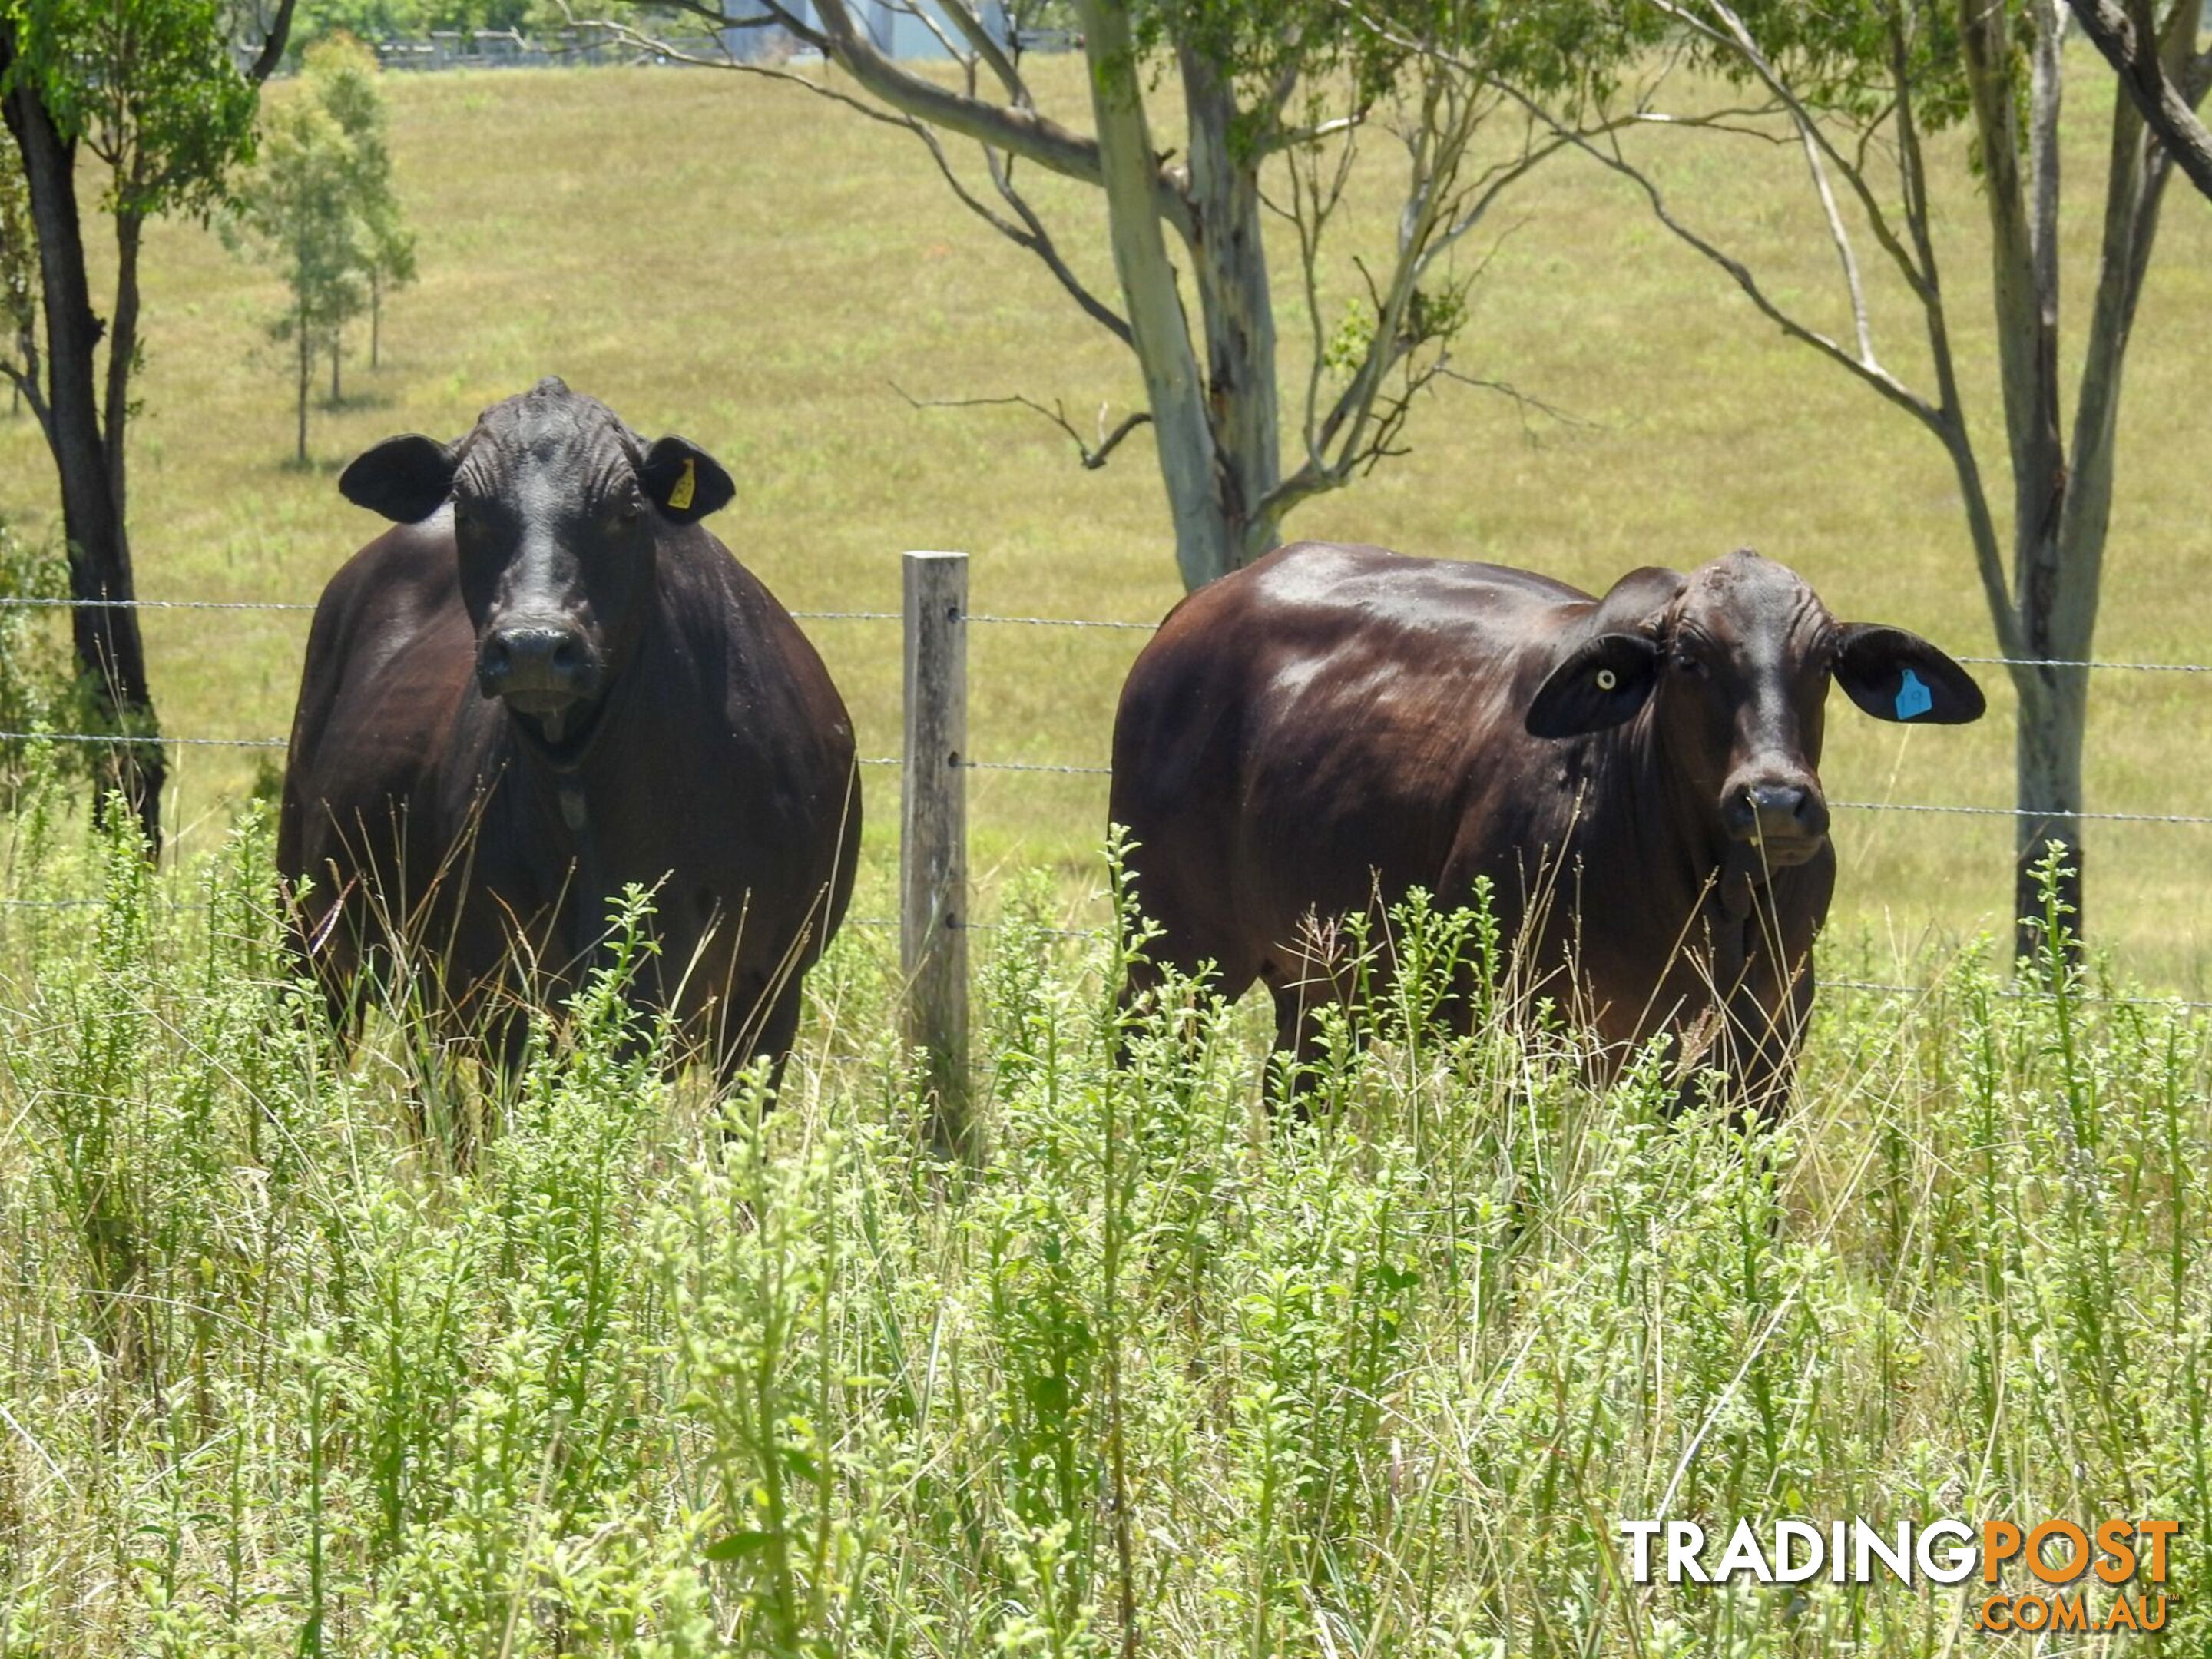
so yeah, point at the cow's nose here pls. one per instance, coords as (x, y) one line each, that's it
(535, 659)
(1777, 811)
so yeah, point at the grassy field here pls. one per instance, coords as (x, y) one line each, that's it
(1160, 1373)
(754, 268)
(305, 1352)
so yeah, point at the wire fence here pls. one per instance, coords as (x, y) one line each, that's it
(1081, 770)
(1074, 768)
(1078, 768)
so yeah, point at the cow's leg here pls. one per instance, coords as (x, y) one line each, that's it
(1767, 1021)
(1772, 1000)
(1298, 1024)
(326, 949)
(767, 1031)
(1300, 991)
(1177, 952)
(779, 1032)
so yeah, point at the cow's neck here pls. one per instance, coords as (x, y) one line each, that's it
(571, 777)
(1678, 842)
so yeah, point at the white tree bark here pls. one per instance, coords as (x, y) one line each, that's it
(1159, 333)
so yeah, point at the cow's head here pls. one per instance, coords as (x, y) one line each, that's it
(1734, 663)
(558, 509)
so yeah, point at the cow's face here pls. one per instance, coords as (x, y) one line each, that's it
(1734, 663)
(557, 511)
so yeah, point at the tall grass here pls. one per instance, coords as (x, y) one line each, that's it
(1159, 1371)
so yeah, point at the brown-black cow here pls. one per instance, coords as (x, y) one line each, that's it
(1636, 774)
(549, 681)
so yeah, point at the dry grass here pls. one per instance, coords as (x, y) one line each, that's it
(748, 265)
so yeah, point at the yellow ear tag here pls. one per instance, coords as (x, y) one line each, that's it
(680, 496)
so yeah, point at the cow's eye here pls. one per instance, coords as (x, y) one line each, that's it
(1683, 663)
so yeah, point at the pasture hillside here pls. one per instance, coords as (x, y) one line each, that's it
(758, 268)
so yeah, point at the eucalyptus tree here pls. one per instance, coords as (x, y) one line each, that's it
(2164, 72)
(150, 90)
(1866, 90)
(1282, 104)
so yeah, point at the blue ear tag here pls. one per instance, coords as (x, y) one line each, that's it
(1912, 698)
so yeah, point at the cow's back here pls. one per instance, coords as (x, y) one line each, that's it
(1328, 717)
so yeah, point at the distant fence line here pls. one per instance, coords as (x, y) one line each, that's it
(894, 30)
(446, 49)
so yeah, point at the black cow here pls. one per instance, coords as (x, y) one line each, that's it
(549, 681)
(1314, 735)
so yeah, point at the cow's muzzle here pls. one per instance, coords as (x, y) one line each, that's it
(1786, 819)
(542, 669)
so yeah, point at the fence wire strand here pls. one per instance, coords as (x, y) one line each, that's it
(2011, 993)
(17, 603)
(20, 602)
(150, 737)
(2019, 812)
(1062, 622)
(1065, 770)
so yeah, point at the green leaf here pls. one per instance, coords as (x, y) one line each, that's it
(738, 1546)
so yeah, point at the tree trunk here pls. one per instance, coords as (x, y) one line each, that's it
(2054, 706)
(123, 350)
(306, 341)
(375, 315)
(2063, 498)
(1236, 305)
(1206, 543)
(2021, 193)
(337, 343)
(109, 653)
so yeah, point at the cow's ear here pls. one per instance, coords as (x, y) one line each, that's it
(405, 479)
(1897, 675)
(684, 481)
(1602, 682)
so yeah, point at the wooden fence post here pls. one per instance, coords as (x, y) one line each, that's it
(934, 831)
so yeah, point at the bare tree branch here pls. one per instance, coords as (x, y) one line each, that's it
(25, 382)
(1861, 326)
(676, 54)
(272, 45)
(1283, 138)
(1093, 455)
(1016, 128)
(1734, 37)
(2168, 109)
(1039, 241)
(1874, 374)
(1522, 400)
(988, 53)
(1981, 525)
